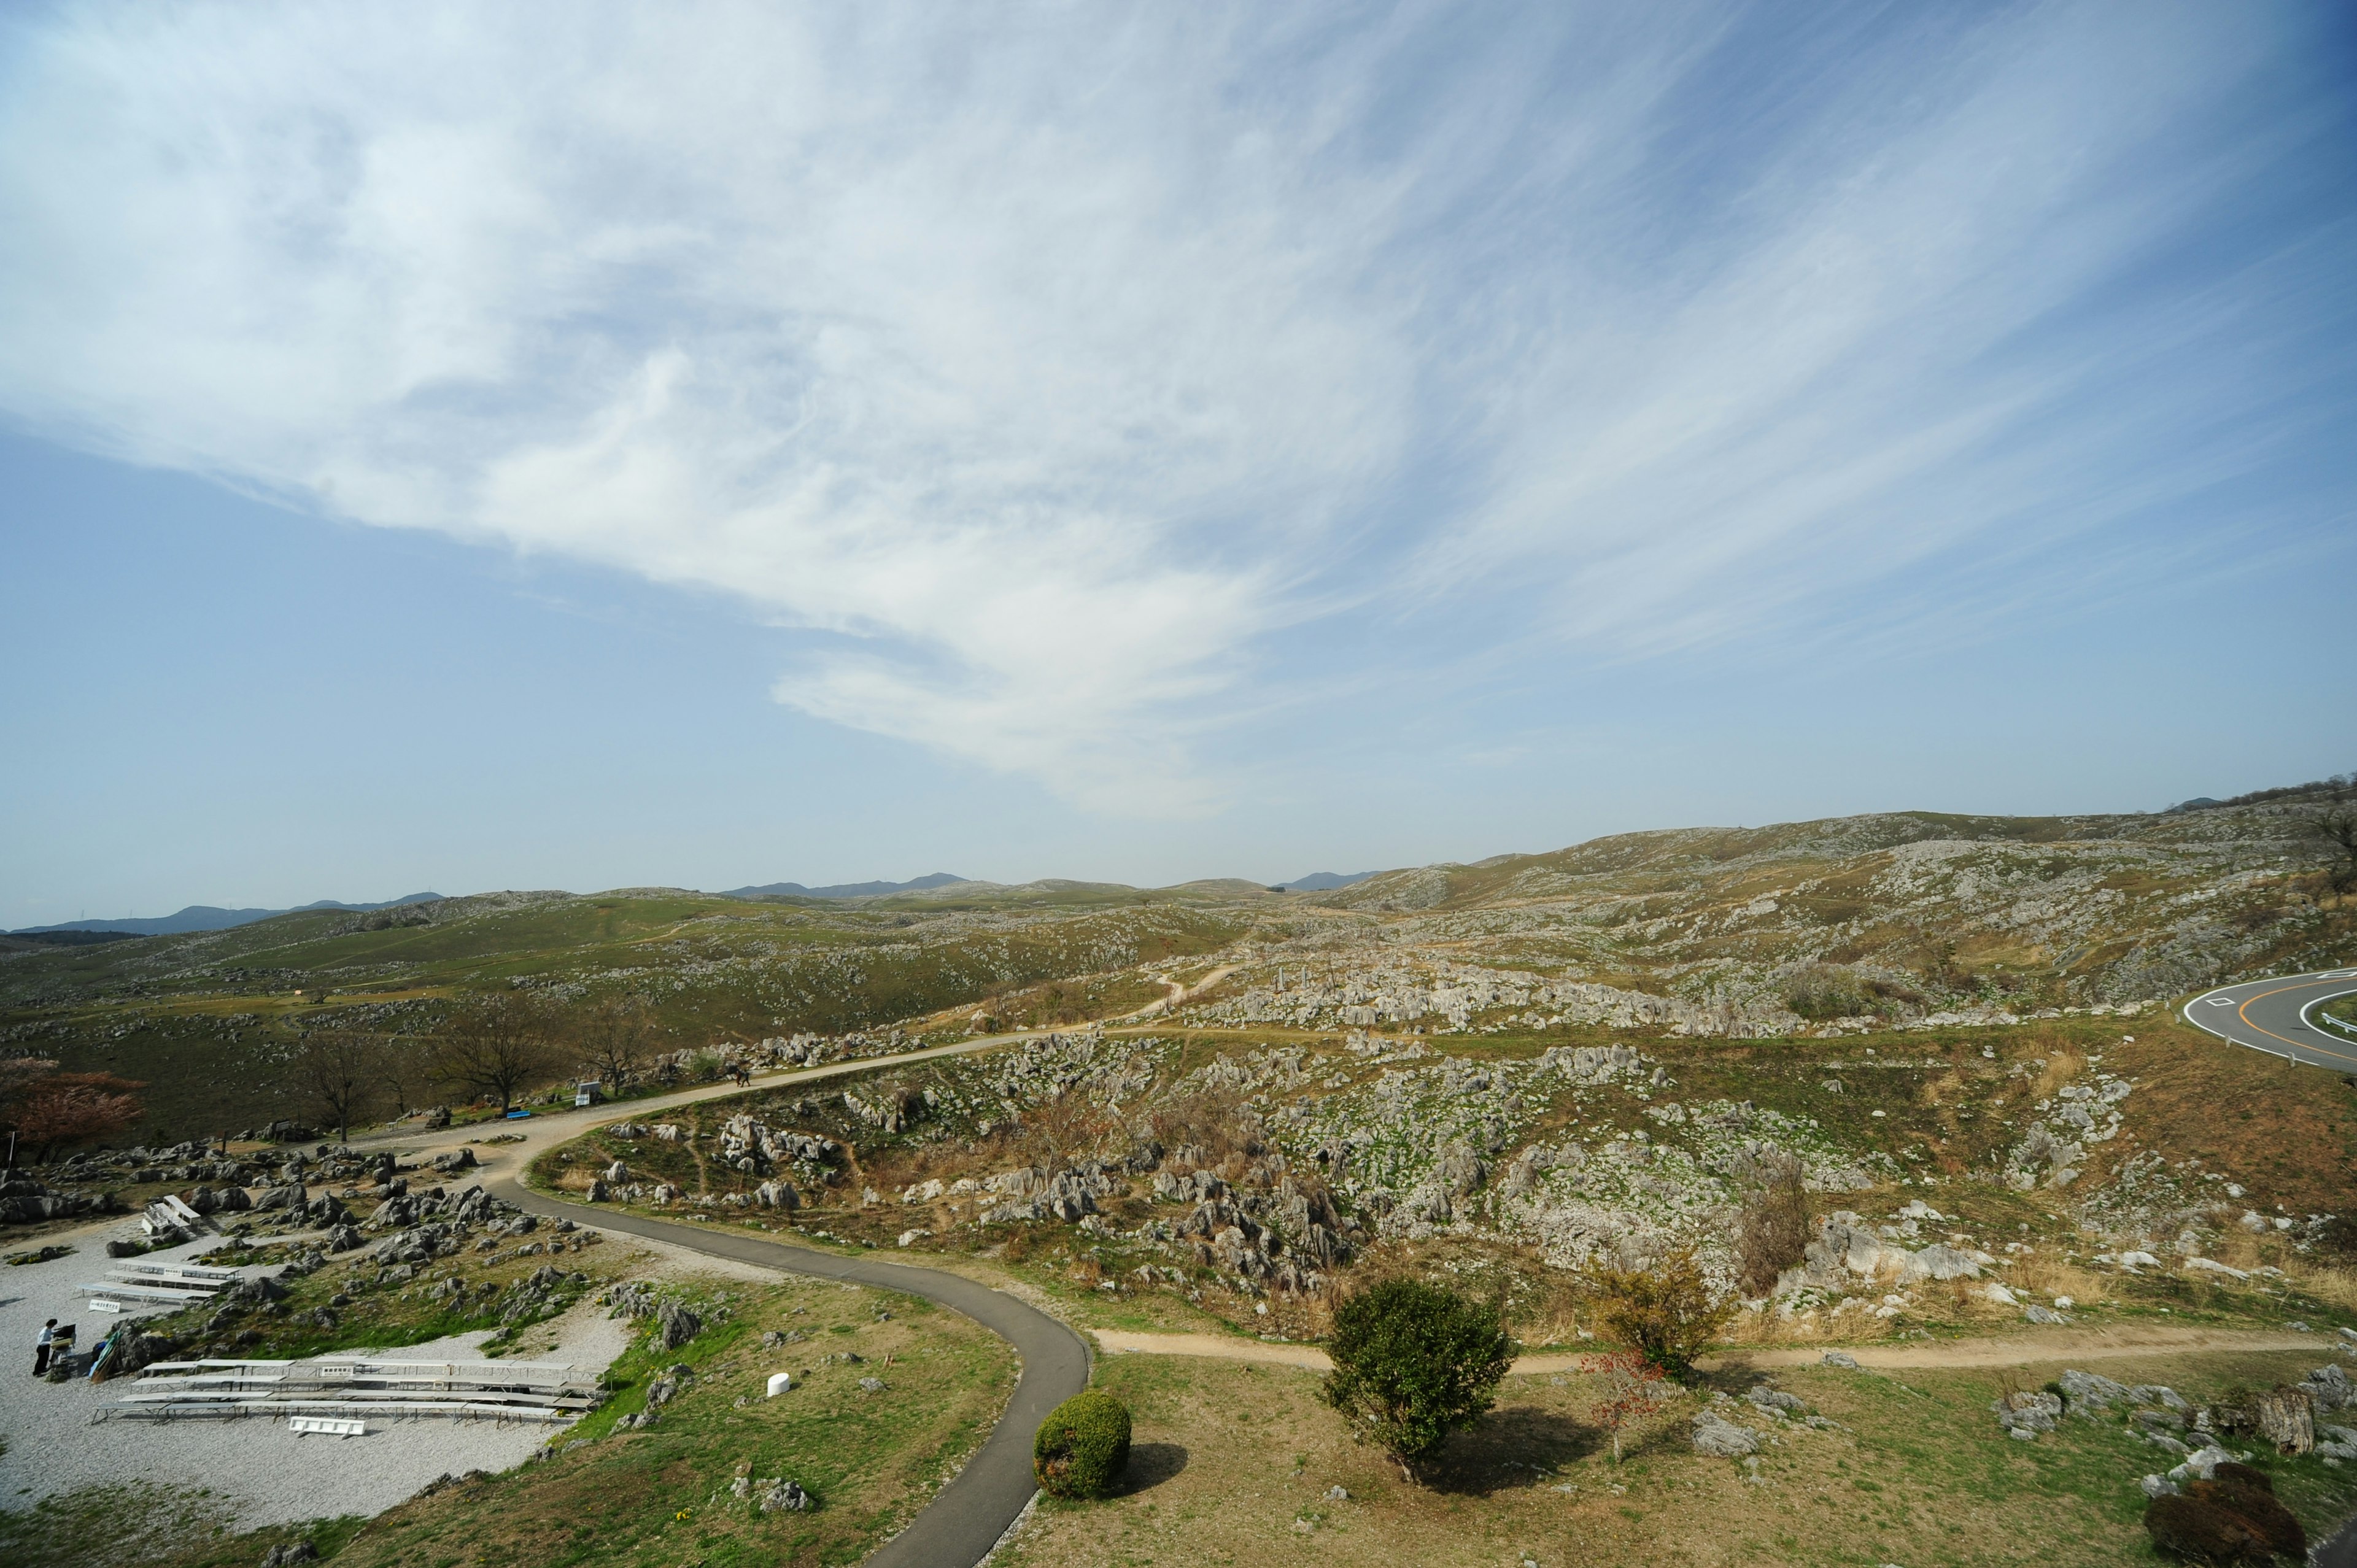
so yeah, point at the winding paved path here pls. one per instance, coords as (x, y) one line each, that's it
(2272, 1016)
(961, 1524)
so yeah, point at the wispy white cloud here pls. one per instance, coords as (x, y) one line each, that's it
(1035, 365)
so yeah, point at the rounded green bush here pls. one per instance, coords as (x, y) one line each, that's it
(1083, 1446)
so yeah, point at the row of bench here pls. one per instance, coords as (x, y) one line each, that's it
(358, 1387)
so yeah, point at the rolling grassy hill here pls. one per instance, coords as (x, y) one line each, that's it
(207, 1019)
(1877, 920)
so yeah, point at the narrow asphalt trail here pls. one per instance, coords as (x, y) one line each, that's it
(2272, 1016)
(961, 1525)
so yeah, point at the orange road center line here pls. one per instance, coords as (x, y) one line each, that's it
(2244, 1013)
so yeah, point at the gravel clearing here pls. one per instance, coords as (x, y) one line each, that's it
(266, 1474)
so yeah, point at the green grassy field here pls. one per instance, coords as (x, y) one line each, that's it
(1233, 1463)
(207, 1021)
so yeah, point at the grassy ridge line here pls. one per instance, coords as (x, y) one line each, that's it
(208, 1039)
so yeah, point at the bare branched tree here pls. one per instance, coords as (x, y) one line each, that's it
(1064, 1131)
(1773, 1229)
(2334, 826)
(617, 1037)
(341, 1072)
(401, 1067)
(496, 1045)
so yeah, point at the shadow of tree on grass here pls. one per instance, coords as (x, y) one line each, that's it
(1150, 1465)
(1512, 1447)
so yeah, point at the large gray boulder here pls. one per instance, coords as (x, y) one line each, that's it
(1715, 1435)
(2027, 1413)
(1938, 1262)
(2089, 1393)
(675, 1326)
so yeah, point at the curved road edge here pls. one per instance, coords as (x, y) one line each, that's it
(2271, 1016)
(967, 1518)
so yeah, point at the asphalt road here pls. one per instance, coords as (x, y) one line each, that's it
(961, 1525)
(2272, 1016)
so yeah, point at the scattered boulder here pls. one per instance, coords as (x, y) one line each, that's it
(1767, 1398)
(23, 1201)
(1938, 1262)
(1838, 1359)
(2028, 1412)
(2285, 1418)
(2200, 1462)
(675, 1326)
(2088, 1393)
(2328, 1389)
(1715, 1435)
(774, 1495)
(286, 1556)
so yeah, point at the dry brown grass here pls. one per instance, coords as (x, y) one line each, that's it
(2239, 1249)
(2064, 1063)
(2050, 1275)
(1557, 1325)
(2334, 1286)
(1950, 1084)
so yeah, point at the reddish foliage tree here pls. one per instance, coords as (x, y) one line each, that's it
(1634, 1388)
(72, 1106)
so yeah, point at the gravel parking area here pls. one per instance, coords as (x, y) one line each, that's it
(266, 1474)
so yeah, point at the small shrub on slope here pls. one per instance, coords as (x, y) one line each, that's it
(1668, 1312)
(1083, 1448)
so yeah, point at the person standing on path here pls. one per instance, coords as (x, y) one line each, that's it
(41, 1347)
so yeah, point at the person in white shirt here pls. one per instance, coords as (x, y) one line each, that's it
(41, 1347)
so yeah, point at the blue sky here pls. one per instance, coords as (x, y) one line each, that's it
(463, 448)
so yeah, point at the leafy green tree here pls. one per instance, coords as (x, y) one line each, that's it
(1412, 1363)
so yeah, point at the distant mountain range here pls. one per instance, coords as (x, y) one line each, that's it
(844, 889)
(206, 918)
